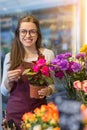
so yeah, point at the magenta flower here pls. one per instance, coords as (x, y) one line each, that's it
(39, 74)
(36, 68)
(41, 62)
(69, 70)
(45, 71)
(59, 74)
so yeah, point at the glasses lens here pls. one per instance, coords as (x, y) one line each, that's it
(23, 32)
(31, 32)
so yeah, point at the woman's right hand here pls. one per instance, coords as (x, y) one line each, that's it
(13, 75)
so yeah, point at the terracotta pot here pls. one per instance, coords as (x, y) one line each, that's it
(34, 91)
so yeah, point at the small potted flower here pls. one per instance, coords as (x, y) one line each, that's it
(38, 76)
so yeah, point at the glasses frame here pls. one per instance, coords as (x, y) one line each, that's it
(31, 32)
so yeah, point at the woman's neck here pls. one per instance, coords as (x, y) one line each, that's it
(32, 55)
(31, 52)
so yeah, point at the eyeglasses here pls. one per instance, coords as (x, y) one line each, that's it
(31, 32)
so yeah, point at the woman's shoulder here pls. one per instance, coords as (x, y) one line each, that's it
(7, 56)
(48, 53)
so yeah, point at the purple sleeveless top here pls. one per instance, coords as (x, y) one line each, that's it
(19, 101)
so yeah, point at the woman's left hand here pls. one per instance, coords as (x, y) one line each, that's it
(44, 92)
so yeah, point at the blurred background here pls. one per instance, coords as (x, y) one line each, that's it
(63, 26)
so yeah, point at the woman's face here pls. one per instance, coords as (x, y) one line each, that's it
(28, 34)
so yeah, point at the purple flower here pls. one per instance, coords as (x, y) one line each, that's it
(68, 54)
(60, 56)
(55, 61)
(76, 67)
(66, 63)
(80, 55)
(64, 56)
(52, 68)
(63, 65)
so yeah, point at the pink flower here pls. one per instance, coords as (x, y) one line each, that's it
(45, 70)
(36, 68)
(84, 85)
(77, 85)
(41, 62)
(39, 73)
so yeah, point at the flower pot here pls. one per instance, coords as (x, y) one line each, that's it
(34, 91)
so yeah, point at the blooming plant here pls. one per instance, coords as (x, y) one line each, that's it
(39, 74)
(47, 116)
(81, 88)
(69, 69)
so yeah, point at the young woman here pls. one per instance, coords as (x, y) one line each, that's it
(26, 48)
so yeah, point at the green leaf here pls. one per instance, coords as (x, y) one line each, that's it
(41, 82)
(31, 73)
(29, 78)
(48, 80)
(26, 71)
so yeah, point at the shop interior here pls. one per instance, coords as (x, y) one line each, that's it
(60, 22)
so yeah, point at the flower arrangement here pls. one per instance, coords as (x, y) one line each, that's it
(39, 74)
(47, 116)
(81, 85)
(81, 89)
(69, 69)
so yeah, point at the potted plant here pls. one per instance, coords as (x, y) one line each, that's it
(38, 76)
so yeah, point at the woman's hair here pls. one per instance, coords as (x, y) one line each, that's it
(17, 50)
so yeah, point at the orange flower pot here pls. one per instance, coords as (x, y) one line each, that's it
(34, 91)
